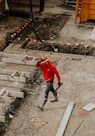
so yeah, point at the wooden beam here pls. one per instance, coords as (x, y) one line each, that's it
(15, 73)
(65, 119)
(6, 99)
(16, 94)
(9, 96)
(18, 61)
(10, 72)
(2, 91)
(12, 88)
(13, 78)
(12, 84)
(4, 96)
(16, 56)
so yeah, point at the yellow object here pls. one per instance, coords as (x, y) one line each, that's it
(85, 10)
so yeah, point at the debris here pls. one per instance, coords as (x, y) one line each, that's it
(19, 38)
(10, 116)
(89, 107)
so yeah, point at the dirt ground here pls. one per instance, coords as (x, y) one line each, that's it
(77, 75)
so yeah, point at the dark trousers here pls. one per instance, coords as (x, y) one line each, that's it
(42, 3)
(49, 88)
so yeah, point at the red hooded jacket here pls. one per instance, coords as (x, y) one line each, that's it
(48, 71)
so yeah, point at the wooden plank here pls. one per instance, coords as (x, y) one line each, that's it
(15, 73)
(13, 79)
(9, 72)
(2, 91)
(6, 93)
(18, 61)
(12, 84)
(7, 55)
(17, 56)
(7, 99)
(65, 119)
(16, 94)
(11, 88)
(2, 118)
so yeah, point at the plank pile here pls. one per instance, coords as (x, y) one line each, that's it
(14, 71)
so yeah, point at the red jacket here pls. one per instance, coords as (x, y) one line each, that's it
(49, 71)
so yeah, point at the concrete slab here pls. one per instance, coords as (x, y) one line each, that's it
(79, 31)
(89, 107)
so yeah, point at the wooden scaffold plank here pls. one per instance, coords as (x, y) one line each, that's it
(18, 59)
(4, 97)
(13, 55)
(10, 72)
(16, 77)
(13, 78)
(16, 94)
(65, 119)
(8, 96)
(12, 84)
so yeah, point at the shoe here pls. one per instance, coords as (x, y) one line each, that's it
(56, 100)
(55, 97)
(41, 108)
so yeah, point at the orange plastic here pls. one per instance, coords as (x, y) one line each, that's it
(86, 11)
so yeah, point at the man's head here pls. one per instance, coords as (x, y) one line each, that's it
(44, 60)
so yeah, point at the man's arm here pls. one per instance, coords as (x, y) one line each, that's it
(38, 64)
(57, 74)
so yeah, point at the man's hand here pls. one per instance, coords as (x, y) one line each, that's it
(59, 84)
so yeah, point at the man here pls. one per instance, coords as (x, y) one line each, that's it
(48, 71)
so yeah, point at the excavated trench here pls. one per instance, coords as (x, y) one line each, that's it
(47, 29)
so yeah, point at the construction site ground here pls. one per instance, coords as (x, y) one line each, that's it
(77, 75)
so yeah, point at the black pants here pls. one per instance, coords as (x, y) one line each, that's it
(42, 4)
(49, 88)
